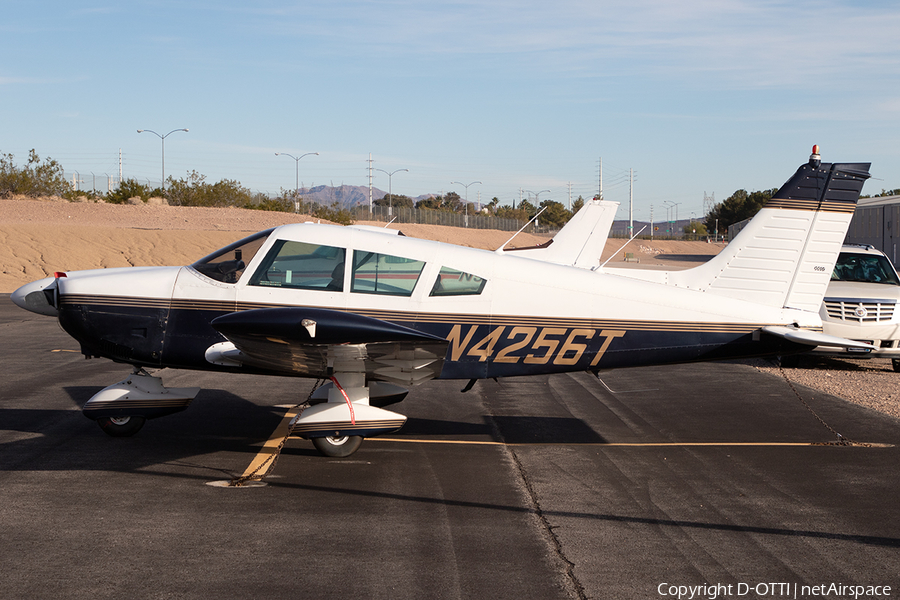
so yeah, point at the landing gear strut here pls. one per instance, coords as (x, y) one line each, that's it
(337, 427)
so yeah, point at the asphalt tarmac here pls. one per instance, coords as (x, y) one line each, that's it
(544, 487)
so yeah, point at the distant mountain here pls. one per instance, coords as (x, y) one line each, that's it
(347, 196)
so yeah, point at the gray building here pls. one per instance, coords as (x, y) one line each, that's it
(877, 222)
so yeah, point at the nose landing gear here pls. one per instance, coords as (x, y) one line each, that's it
(122, 408)
(121, 426)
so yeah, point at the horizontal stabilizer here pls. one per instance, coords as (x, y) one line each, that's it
(814, 338)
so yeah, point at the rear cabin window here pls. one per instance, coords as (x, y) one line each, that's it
(228, 264)
(375, 273)
(303, 266)
(451, 282)
(870, 268)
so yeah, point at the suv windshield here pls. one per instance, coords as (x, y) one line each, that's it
(869, 268)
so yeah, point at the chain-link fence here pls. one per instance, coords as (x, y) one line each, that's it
(100, 183)
(426, 216)
(103, 183)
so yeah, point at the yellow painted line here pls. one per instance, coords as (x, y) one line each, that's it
(62, 350)
(612, 445)
(267, 452)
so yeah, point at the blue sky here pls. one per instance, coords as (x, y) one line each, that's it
(695, 96)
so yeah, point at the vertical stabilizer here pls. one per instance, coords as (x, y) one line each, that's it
(785, 255)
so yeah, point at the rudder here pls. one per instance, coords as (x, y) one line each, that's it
(785, 254)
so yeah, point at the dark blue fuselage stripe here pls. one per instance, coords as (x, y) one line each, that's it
(476, 350)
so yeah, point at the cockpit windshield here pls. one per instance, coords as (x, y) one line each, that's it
(227, 264)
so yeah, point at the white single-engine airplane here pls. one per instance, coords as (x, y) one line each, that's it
(372, 310)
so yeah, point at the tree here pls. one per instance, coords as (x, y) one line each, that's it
(35, 179)
(737, 207)
(694, 230)
(577, 205)
(555, 214)
(884, 193)
(450, 202)
(395, 200)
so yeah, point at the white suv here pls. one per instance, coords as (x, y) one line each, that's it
(861, 303)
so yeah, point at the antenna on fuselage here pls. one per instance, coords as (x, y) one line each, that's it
(500, 249)
(619, 250)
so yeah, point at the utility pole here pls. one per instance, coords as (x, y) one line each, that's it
(709, 203)
(630, 202)
(651, 222)
(600, 194)
(370, 183)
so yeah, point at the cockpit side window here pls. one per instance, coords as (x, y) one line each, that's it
(451, 282)
(375, 273)
(228, 264)
(299, 265)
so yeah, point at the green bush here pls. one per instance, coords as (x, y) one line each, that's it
(130, 188)
(331, 213)
(34, 179)
(194, 191)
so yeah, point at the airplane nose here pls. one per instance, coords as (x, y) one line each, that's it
(36, 297)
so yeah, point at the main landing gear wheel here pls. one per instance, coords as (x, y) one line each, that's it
(895, 363)
(121, 426)
(337, 447)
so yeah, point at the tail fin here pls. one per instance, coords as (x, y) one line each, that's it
(581, 241)
(785, 255)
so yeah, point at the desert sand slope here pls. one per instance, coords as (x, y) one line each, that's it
(38, 237)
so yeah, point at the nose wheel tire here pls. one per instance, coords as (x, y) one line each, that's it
(337, 447)
(121, 426)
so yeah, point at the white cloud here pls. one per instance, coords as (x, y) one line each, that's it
(738, 43)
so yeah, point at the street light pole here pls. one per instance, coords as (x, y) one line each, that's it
(390, 189)
(163, 138)
(673, 206)
(297, 174)
(465, 185)
(537, 196)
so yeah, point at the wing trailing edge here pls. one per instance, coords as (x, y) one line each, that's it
(316, 342)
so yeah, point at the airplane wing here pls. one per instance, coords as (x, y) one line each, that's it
(317, 342)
